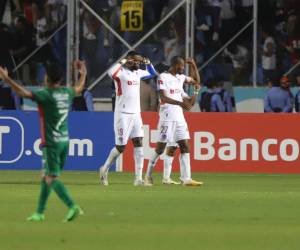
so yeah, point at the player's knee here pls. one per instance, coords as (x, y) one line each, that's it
(160, 148)
(137, 142)
(184, 147)
(49, 179)
(171, 151)
(120, 148)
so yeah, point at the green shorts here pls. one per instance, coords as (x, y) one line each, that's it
(54, 158)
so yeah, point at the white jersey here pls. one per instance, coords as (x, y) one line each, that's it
(127, 85)
(173, 88)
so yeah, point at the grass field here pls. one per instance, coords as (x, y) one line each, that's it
(232, 212)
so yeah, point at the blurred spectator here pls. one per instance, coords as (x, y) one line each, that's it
(2, 8)
(226, 97)
(297, 97)
(268, 55)
(244, 11)
(171, 43)
(43, 31)
(228, 20)
(93, 50)
(278, 98)
(15, 7)
(149, 97)
(8, 99)
(84, 102)
(6, 45)
(56, 13)
(211, 100)
(240, 60)
(215, 11)
(23, 39)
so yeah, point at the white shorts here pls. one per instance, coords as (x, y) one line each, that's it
(172, 131)
(127, 126)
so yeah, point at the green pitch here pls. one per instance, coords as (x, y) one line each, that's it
(232, 212)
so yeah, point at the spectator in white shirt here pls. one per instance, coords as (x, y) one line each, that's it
(268, 55)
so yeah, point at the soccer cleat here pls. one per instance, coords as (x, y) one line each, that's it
(36, 217)
(192, 183)
(169, 181)
(103, 176)
(148, 181)
(138, 182)
(73, 213)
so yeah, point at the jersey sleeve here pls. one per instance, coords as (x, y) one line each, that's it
(161, 84)
(150, 72)
(39, 96)
(115, 71)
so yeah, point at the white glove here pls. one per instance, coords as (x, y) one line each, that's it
(123, 61)
(146, 61)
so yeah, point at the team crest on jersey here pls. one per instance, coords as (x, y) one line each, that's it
(132, 83)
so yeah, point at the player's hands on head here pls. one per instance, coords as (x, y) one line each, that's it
(146, 61)
(3, 73)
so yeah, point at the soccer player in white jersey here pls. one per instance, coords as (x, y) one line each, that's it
(127, 117)
(172, 125)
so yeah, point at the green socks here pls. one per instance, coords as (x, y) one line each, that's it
(44, 195)
(62, 193)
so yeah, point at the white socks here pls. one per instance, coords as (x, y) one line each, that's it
(168, 160)
(152, 161)
(113, 155)
(185, 167)
(139, 162)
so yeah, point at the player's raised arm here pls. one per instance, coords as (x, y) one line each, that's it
(194, 73)
(20, 90)
(80, 65)
(150, 71)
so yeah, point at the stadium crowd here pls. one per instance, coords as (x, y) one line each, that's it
(29, 23)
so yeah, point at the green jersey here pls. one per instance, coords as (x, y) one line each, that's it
(54, 105)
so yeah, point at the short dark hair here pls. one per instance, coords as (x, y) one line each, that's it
(175, 60)
(132, 53)
(211, 83)
(54, 72)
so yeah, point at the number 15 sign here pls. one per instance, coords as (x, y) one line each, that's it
(132, 16)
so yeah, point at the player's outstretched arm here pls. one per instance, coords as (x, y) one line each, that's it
(20, 90)
(80, 65)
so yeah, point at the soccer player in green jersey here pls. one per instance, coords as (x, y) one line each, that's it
(53, 102)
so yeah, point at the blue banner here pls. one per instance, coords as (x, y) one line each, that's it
(91, 139)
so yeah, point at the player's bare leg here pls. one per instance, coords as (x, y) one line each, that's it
(160, 148)
(185, 165)
(103, 170)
